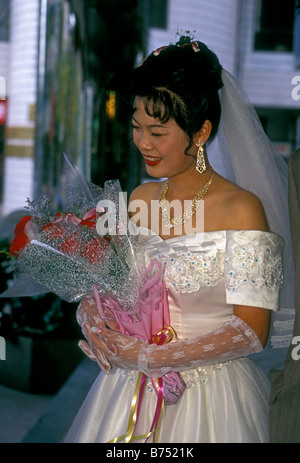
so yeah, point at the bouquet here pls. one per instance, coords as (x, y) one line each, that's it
(61, 251)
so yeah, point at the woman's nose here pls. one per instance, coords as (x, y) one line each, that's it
(145, 142)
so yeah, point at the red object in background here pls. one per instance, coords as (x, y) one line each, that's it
(21, 239)
(3, 111)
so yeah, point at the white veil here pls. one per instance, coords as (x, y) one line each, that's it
(250, 160)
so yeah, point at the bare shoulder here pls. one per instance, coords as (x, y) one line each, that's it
(249, 211)
(243, 210)
(140, 202)
(146, 191)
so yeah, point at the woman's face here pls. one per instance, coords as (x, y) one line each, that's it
(162, 145)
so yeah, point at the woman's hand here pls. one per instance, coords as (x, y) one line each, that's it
(104, 342)
(90, 348)
(89, 319)
(88, 312)
(118, 349)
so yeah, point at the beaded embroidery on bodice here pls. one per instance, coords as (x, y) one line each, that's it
(242, 258)
(188, 272)
(207, 273)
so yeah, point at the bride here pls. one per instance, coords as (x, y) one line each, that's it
(223, 245)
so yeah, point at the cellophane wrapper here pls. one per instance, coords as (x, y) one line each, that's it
(74, 261)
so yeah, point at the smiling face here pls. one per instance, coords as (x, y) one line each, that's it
(162, 145)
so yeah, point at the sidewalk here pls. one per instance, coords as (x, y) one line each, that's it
(29, 418)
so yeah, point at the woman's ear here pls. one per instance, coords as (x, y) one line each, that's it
(204, 132)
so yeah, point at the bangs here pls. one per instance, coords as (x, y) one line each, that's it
(159, 106)
(162, 104)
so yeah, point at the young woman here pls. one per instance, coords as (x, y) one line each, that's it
(223, 270)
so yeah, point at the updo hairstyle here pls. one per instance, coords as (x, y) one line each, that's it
(181, 82)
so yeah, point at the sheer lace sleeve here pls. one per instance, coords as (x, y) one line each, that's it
(253, 268)
(233, 340)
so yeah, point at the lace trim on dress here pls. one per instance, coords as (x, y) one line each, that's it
(256, 266)
(188, 272)
(251, 265)
(191, 377)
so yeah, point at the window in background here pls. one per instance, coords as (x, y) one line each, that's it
(158, 13)
(4, 20)
(275, 25)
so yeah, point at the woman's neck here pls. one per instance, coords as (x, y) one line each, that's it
(188, 184)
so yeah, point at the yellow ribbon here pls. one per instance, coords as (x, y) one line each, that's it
(132, 416)
(128, 436)
(139, 389)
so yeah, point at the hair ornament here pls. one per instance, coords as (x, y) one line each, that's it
(195, 46)
(183, 43)
(158, 50)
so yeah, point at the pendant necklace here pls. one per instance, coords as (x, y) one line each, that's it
(171, 222)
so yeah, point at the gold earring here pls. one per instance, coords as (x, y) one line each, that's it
(200, 164)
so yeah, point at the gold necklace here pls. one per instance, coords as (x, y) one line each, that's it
(171, 222)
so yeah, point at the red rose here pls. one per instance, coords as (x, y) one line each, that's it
(21, 239)
(70, 245)
(89, 222)
(54, 230)
(94, 250)
(21, 225)
(90, 217)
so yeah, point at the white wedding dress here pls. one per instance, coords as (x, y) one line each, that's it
(206, 274)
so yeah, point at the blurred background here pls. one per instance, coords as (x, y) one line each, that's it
(62, 63)
(62, 66)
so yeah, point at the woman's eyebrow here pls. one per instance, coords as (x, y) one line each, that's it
(159, 126)
(151, 126)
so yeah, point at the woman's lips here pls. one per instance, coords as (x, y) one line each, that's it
(151, 161)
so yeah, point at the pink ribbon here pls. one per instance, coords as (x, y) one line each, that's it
(150, 321)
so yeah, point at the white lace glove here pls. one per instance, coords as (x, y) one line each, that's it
(89, 319)
(233, 340)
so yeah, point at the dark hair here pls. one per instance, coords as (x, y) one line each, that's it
(181, 82)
